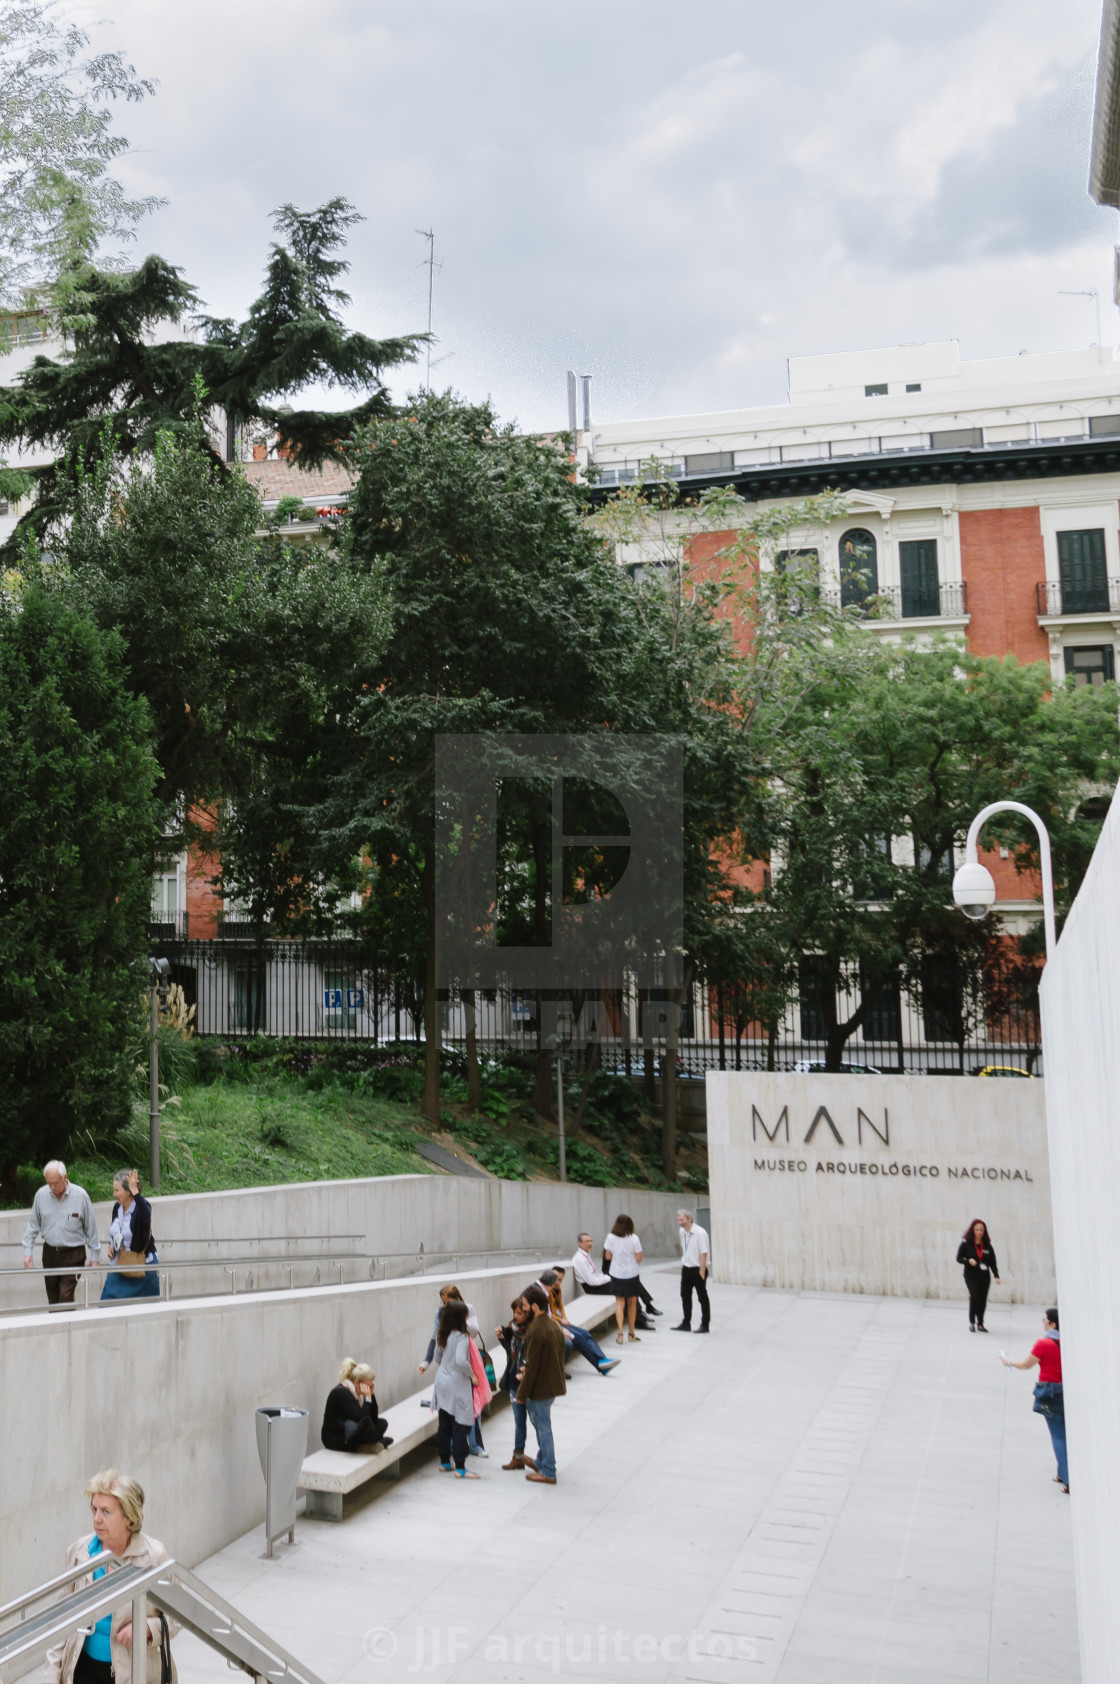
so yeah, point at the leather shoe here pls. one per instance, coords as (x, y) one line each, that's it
(681, 1327)
(652, 1311)
(515, 1462)
(703, 1330)
(540, 1479)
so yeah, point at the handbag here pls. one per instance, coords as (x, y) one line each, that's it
(1048, 1399)
(165, 1673)
(125, 1256)
(488, 1365)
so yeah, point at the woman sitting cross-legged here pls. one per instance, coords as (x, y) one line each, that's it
(350, 1419)
(453, 1394)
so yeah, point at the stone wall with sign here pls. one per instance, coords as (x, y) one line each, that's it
(849, 1183)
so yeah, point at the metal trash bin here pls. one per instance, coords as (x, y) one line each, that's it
(281, 1446)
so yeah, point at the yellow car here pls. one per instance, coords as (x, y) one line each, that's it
(1002, 1070)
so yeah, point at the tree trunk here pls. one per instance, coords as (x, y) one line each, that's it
(542, 855)
(669, 1090)
(649, 1087)
(590, 1068)
(474, 1076)
(431, 1004)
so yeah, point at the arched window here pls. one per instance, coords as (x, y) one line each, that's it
(859, 567)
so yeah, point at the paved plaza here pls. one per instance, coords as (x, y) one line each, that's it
(828, 1488)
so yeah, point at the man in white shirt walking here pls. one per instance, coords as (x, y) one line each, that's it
(63, 1215)
(695, 1251)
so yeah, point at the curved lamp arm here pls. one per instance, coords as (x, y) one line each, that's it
(974, 830)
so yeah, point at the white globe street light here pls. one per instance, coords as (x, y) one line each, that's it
(973, 888)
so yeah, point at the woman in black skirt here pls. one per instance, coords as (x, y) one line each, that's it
(623, 1251)
(977, 1255)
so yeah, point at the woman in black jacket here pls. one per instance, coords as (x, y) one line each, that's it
(132, 1246)
(977, 1254)
(350, 1419)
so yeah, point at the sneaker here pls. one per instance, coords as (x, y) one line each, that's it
(682, 1327)
(483, 1454)
(608, 1363)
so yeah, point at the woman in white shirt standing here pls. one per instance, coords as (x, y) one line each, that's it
(623, 1252)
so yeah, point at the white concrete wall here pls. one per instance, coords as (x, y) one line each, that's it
(809, 1212)
(1081, 1034)
(390, 1213)
(168, 1393)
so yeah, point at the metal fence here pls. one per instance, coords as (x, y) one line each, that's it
(945, 1022)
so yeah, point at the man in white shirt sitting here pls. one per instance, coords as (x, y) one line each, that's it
(695, 1251)
(593, 1281)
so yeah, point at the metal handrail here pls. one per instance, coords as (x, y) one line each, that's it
(170, 1588)
(230, 1265)
(29, 1641)
(231, 1239)
(111, 1563)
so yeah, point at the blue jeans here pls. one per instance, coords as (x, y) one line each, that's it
(1057, 1425)
(520, 1427)
(586, 1346)
(540, 1413)
(474, 1439)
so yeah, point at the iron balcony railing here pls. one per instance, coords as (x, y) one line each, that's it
(892, 602)
(1056, 597)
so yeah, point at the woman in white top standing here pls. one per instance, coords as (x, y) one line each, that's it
(623, 1252)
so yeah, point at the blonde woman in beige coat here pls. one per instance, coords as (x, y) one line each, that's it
(117, 1509)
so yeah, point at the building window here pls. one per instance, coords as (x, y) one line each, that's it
(859, 567)
(165, 898)
(1091, 664)
(1104, 426)
(811, 992)
(710, 462)
(913, 385)
(958, 438)
(918, 569)
(1083, 572)
(248, 997)
(942, 1001)
(884, 1019)
(879, 391)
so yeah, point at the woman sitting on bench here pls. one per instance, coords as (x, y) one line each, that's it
(350, 1420)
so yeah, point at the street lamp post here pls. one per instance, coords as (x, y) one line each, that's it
(973, 888)
(158, 972)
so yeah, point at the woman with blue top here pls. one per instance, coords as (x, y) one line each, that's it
(132, 1245)
(92, 1657)
(453, 1395)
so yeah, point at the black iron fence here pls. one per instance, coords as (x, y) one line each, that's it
(945, 1022)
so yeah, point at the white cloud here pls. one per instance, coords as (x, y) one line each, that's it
(674, 199)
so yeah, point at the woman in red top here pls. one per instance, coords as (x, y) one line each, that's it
(1046, 1356)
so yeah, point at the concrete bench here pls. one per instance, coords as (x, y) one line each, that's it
(327, 1476)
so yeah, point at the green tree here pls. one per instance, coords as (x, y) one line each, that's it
(77, 829)
(125, 381)
(716, 664)
(889, 754)
(504, 614)
(58, 201)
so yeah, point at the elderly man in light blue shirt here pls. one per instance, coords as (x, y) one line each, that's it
(62, 1215)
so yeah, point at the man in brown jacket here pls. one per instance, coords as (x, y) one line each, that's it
(540, 1379)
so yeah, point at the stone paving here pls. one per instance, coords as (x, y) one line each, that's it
(837, 1488)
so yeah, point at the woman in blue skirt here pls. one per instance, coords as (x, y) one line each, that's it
(132, 1244)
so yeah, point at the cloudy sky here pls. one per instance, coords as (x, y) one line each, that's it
(672, 198)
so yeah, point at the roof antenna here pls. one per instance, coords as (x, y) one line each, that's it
(431, 265)
(1087, 293)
